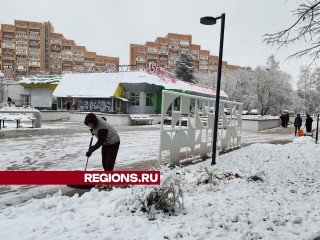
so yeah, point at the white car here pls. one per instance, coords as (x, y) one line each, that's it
(254, 112)
(226, 111)
(245, 112)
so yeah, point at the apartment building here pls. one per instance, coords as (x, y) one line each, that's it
(30, 48)
(165, 51)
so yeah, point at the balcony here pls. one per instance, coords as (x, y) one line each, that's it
(174, 48)
(67, 63)
(34, 36)
(67, 52)
(163, 58)
(21, 45)
(22, 72)
(152, 56)
(34, 69)
(8, 35)
(34, 64)
(22, 68)
(163, 52)
(55, 66)
(77, 58)
(140, 60)
(184, 43)
(78, 63)
(8, 45)
(8, 57)
(201, 67)
(22, 35)
(34, 46)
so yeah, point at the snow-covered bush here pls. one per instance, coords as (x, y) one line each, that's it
(167, 197)
(208, 176)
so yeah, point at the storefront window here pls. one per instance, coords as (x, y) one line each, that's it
(149, 99)
(135, 97)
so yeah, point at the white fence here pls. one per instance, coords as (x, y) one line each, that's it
(191, 121)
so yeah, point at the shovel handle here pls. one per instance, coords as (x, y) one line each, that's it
(88, 150)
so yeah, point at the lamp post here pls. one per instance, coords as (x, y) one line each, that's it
(212, 21)
(1, 78)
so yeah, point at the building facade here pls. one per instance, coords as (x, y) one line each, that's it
(165, 51)
(29, 48)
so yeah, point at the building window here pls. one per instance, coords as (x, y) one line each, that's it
(135, 97)
(25, 99)
(152, 50)
(204, 57)
(149, 99)
(55, 41)
(184, 42)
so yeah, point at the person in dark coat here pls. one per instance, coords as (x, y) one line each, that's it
(282, 120)
(68, 106)
(309, 121)
(107, 137)
(297, 124)
(286, 120)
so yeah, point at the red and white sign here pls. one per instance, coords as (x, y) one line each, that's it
(79, 177)
(160, 71)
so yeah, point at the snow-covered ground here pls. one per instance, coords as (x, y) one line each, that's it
(283, 205)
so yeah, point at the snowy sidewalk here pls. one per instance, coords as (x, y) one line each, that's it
(283, 203)
(62, 145)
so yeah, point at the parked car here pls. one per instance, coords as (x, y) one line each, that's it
(226, 111)
(254, 112)
(290, 113)
(245, 112)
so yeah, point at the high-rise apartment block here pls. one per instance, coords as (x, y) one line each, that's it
(28, 48)
(165, 51)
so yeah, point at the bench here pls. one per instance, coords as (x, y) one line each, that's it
(135, 119)
(36, 118)
(18, 121)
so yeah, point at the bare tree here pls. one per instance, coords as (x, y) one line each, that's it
(306, 28)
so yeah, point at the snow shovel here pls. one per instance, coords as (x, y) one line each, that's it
(84, 186)
(88, 150)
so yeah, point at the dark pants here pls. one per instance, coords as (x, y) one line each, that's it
(296, 129)
(308, 128)
(109, 156)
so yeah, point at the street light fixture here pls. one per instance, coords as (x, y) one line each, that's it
(1, 78)
(212, 21)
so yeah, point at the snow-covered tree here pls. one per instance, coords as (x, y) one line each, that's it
(237, 85)
(266, 88)
(308, 89)
(306, 28)
(271, 87)
(184, 67)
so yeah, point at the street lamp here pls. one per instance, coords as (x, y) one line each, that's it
(1, 78)
(212, 21)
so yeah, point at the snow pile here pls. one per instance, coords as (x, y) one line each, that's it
(41, 79)
(262, 191)
(14, 115)
(6, 106)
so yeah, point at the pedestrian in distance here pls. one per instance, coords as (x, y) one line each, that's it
(107, 137)
(68, 106)
(282, 120)
(308, 124)
(297, 124)
(286, 120)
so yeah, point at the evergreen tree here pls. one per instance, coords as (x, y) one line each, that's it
(184, 67)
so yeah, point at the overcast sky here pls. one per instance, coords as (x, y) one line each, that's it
(108, 27)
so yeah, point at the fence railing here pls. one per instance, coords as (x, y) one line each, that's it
(190, 122)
